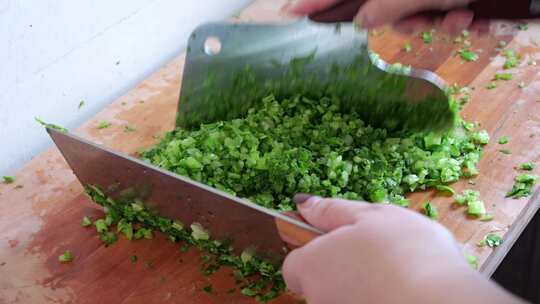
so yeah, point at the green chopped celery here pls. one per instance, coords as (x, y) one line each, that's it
(430, 211)
(66, 257)
(104, 125)
(101, 226)
(86, 221)
(472, 260)
(491, 240)
(523, 26)
(512, 59)
(481, 137)
(408, 47)
(529, 166)
(503, 140)
(51, 126)
(8, 179)
(427, 37)
(445, 189)
(505, 151)
(503, 76)
(523, 186)
(492, 85)
(468, 55)
(476, 208)
(198, 232)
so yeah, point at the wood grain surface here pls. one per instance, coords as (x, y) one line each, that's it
(42, 219)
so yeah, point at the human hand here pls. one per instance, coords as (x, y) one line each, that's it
(404, 15)
(375, 253)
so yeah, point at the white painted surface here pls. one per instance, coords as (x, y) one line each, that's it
(55, 53)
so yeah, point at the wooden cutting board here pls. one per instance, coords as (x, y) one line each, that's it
(42, 219)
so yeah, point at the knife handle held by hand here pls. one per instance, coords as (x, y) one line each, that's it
(482, 9)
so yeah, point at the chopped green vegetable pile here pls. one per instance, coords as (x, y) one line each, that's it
(491, 240)
(300, 145)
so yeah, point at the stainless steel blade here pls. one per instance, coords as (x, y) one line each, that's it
(244, 224)
(230, 67)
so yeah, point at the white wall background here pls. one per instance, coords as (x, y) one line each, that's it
(55, 53)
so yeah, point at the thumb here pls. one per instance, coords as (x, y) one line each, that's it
(328, 214)
(376, 13)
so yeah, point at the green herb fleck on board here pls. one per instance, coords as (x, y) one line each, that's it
(491, 86)
(51, 126)
(430, 211)
(207, 289)
(491, 240)
(81, 104)
(104, 125)
(133, 258)
(471, 199)
(503, 140)
(523, 26)
(8, 179)
(427, 37)
(472, 260)
(86, 221)
(523, 185)
(503, 76)
(408, 47)
(446, 189)
(66, 257)
(505, 151)
(528, 166)
(512, 59)
(468, 55)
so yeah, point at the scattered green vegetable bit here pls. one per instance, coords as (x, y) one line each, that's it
(101, 226)
(523, 26)
(128, 128)
(503, 76)
(476, 208)
(51, 126)
(481, 137)
(486, 217)
(471, 199)
(66, 257)
(492, 85)
(468, 55)
(198, 232)
(8, 179)
(427, 37)
(86, 221)
(512, 59)
(81, 104)
(529, 166)
(491, 240)
(472, 260)
(207, 289)
(133, 258)
(446, 189)
(104, 125)
(108, 238)
(465, 34)
(408, 47)
(523, 186)
(430, 211)
(503, 140)
(505, 151)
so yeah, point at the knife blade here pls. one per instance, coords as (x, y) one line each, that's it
(238, 221)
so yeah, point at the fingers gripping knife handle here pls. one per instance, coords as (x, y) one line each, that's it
(482, 9)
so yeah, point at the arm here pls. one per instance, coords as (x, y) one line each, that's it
(374, 253)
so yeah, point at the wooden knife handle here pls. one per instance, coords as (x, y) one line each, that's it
(294, 235)
(483, 9)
